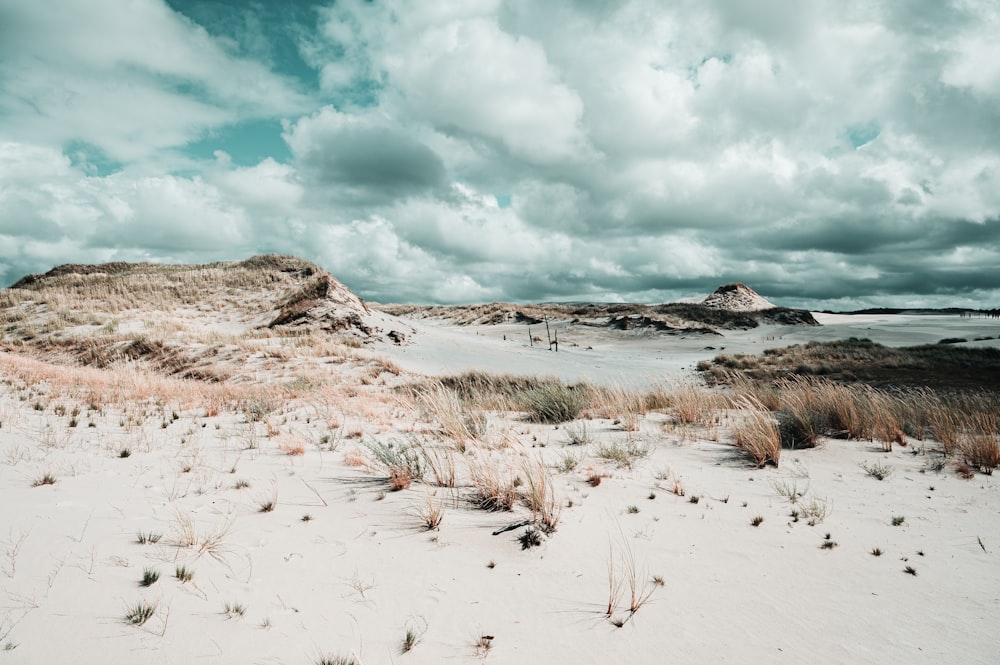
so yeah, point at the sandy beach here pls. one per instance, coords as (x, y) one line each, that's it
(255, 521)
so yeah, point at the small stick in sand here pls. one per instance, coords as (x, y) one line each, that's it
(314, 492)
(511, 527)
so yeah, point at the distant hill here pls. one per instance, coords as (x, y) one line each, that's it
(737, 297)
(959, 311)
(669, 318)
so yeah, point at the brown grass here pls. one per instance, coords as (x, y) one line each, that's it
(74, 291)
(292, 447)
(443, 407)
(199, 322)
(539, 494)
(431, 512)
(493, 392)
(809, 408)
(594, 478)
(356, 458)
(937, 366)
(885, 413)
(626, 405)
(441, 464)
(492, 480)
(692, 403)
(399, 479)
(980, 443)
(131, 384)
(624, 573)
(756, 432)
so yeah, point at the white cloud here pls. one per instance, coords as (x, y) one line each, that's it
(165, 215)
(130, 79)
(976, 66)
(472, 77)
(526, 150)
(267, 187)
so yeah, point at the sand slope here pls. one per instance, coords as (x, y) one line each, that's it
(340, 566)
(363, 569)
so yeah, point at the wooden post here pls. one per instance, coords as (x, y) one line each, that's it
(531, 342)
(556, 342)
(548, 335)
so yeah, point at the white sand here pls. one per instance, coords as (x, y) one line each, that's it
(362, 571)
(601, 356)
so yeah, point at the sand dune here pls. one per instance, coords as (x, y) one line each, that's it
(272, 485)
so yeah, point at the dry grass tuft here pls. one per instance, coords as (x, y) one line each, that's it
(757, 432)
(483, 645)
(493, 481)
(399, 479)
(624, 574)
(691, 403)
(539, 494)
(45, 479)
(431, 512)
(980, 443)
(356, 458)
(403, 463)
(441, 464)
(292, 446)
(460, 424)
(618, 403)
(623, 453)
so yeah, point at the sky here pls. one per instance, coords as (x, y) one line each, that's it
(831, 154)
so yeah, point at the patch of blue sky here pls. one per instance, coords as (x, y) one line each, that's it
(693, 70)
(266, 31)
(860, 134)
(247, 143)
(90, 159)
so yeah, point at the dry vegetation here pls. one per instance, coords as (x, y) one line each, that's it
(943, 367)
(203, 322)
(805, 408)
(757, 433)
(670, 317)
(773, 401)
(790, 412)
(519, 447)
(73, 292)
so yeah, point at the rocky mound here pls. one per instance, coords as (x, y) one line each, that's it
(648, 323)
(325, 304)
(737, 297)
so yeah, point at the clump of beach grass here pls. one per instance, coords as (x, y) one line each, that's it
(553, 403)
(757, 433)
(623, 453)
(431, 512)
(404, 463)
(149, 577)
(539, 494)
(139, 613)
(877, 470)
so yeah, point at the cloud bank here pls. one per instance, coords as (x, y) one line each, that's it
(830, 154)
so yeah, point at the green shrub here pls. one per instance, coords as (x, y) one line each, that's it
(400, 460)
(801, 428)
(554, 403)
